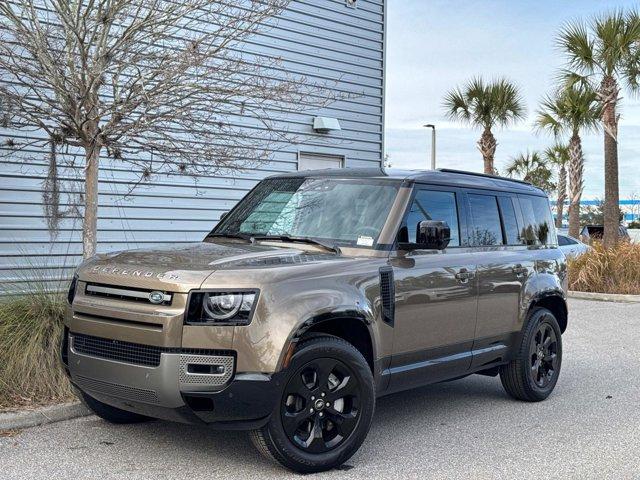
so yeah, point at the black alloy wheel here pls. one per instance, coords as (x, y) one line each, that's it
(325, 410)
(544, 355)
(320, 407)
(533, 372)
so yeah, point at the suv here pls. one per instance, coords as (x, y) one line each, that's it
(317, 293)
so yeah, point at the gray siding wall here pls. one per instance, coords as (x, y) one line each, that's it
(322, 39)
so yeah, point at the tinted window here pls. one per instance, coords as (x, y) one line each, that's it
(538, 228)
(563, 241)
(485, 220)
(512, 235)
(434, 205)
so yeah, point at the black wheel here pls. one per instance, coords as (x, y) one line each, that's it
(325, 410)
(533, 373)
(109, 413)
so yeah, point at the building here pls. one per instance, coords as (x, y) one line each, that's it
(336, 40)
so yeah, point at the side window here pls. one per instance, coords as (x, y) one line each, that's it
(563, 241)
(509, 222)
(485, 220)
(538, 228)
(434, 205)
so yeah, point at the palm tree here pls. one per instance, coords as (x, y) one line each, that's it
(558, 156)
(531, 168)
(604, 54)
(570, 111)
(486, 105)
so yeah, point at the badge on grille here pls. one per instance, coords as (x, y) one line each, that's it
(156, 297)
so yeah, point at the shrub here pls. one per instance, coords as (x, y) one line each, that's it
(613, 270)
(30, 332)
(32, 309)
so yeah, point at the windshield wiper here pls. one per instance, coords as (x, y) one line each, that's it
(311, 241)
(242, 236)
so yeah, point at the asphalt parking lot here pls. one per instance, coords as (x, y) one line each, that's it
(589, 428)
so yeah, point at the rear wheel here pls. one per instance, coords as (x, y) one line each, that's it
(325, 410)
(533, 374)
(111, 414)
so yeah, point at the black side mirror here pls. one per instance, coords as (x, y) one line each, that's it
(430, 235)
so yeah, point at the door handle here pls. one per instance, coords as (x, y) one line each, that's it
(464, 275)
(519, 270)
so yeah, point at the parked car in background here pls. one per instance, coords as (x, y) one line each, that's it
(595, 232)
(571, 247)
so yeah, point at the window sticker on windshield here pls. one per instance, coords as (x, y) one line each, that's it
(365, 241)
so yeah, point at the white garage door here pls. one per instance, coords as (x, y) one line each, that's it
(313, 161)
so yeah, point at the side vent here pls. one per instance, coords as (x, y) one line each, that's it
(387, 295)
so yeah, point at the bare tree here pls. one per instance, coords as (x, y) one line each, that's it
(165, 85)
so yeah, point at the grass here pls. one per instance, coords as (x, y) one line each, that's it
(30, 370)
(32, 311)
(614, 270)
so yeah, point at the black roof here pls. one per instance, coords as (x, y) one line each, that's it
(443, 176)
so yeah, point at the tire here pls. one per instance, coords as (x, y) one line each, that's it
(111, 414)
(532, 375)
(306, 407)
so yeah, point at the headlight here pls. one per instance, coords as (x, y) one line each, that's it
(72, 289)
(221, 308)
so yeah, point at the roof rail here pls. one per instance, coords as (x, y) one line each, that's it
(486, 175)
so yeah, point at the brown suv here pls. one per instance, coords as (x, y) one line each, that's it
(317, 293)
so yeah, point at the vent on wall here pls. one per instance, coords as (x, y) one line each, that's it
(387, 294)
(352, 3)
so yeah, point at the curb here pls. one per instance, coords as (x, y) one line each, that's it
(41, 416)
(605, 297)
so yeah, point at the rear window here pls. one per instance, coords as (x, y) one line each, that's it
(486, 229)
(538, 227)
(509, 222)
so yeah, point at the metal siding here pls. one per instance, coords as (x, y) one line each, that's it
(322, 39)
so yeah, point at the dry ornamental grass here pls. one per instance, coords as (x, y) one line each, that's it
(614, 270)
(30, 370)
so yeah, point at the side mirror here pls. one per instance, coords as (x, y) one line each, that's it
(430, 235)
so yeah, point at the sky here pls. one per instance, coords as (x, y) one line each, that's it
(436, 45)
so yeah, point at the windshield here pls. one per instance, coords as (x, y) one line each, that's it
(345, 211)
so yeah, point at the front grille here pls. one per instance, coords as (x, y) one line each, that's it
(134, 353)
(129, 294)
(116, 390)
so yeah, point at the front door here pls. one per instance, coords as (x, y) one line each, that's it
(436, 297)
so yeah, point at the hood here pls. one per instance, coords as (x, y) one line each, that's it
(185, 268)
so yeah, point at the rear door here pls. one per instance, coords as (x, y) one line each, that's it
(502, 268)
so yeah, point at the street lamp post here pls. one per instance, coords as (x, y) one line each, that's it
(433, 145)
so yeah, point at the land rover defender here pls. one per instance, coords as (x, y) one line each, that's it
(317, 293)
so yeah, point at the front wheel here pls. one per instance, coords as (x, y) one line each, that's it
(532, 375)
(325, 410)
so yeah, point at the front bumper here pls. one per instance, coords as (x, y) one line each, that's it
(174, 389)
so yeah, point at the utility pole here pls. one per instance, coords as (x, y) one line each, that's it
(433, 145)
